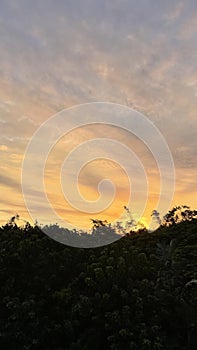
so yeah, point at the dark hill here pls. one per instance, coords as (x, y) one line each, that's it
(137, 293)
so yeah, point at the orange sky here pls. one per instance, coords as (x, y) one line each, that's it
(134, 54)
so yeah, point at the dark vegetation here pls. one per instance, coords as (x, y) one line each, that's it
(137, 293)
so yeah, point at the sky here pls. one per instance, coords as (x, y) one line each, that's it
(58, 54)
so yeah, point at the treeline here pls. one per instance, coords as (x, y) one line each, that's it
(102, 232)
(137, 293)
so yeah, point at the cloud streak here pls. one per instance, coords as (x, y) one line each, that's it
(55, 55)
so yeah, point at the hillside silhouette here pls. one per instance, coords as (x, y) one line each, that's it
(139, 292)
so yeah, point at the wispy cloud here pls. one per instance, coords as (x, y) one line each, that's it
(142, 54)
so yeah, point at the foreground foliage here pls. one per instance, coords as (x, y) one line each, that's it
(137, 293)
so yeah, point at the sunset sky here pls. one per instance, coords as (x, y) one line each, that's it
(58, 54)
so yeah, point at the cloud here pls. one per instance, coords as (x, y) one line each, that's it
(142, 54)
(3, 148)
(9, 182)
(175, 11)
